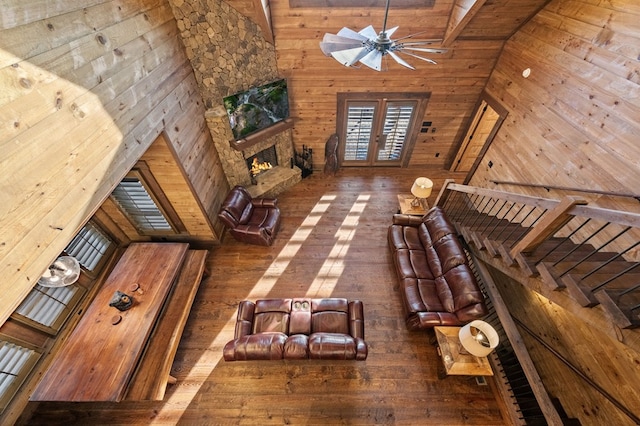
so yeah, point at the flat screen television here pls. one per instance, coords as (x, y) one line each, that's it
(257, 108)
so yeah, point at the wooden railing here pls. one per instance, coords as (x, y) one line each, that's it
(592, 252)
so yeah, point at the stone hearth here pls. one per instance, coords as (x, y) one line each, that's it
(269, 184)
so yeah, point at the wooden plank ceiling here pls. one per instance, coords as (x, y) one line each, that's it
(455, 83)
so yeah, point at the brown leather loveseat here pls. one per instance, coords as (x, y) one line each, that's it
(437, 286)
(298, 328)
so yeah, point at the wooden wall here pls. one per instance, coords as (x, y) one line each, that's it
(86, 88)
(455, 83)
(574, 121)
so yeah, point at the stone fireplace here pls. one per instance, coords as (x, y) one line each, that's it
(234, 157)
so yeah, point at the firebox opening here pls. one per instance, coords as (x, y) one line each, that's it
(262, 161)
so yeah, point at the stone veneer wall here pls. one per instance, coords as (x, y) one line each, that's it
(228, 54)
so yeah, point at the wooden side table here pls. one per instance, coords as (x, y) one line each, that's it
(404, 200)
(455, 360)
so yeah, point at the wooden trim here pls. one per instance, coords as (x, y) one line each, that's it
(461, 15)
(549, 225)
(259, 136)
(142, 171)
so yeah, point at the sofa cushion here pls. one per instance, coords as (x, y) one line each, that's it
(464, 290)
(437, 223)
(271, 315)
(332, 346)
(330, 316)
(297, 347)
(413, 264)
(262, 346)
(420, 295)
(404, 237)
(450, 252)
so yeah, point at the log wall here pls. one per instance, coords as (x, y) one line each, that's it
(574, 121)
(87, 87)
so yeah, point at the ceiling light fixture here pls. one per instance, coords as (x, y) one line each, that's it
(349, 47)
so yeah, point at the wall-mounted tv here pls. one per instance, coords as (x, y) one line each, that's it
(257, 108)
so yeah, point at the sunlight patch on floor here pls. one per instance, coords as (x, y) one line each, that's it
(332, 268)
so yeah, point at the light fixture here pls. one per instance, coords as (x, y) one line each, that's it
(421, 190)
(369, 47)
(64, 271)
(478, 338)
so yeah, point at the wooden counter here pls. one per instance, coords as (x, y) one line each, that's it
(99, 359)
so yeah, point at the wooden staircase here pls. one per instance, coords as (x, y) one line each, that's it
(585, 259)
(588, 252)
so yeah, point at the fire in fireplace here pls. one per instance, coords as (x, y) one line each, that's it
(262, 161)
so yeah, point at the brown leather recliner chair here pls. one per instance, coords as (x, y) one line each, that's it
(250, 220)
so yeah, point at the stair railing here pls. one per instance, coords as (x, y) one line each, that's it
(592, 252)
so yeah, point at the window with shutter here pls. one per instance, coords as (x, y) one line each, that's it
(16, 361)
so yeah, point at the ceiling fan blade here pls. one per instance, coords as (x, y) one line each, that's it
(431, 61)
(329, 48)
(373, 60)
(350, 56)
(369, 33)
(333, 38)
(349, 33)
(423, 49)
(400, 60)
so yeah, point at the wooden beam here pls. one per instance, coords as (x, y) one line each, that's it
(549, 225)
(463, 11)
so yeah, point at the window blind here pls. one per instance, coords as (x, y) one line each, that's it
(89, 246)
(137, 204)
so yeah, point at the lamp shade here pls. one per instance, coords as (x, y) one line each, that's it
(474, 334)
(422, 187)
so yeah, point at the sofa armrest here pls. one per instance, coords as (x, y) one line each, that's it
(407, 220)
(244, 321)
(356, 319)
(264, 202)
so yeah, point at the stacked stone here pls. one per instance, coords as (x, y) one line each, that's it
(227, 51)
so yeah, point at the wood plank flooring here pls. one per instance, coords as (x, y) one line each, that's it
(332, 243)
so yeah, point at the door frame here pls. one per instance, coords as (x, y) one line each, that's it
(421, 98)
(502, 115)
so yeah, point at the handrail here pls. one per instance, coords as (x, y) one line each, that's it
(567, 188)
(620, 217)
(558, 239)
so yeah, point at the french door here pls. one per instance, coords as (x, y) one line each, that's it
(378, 130)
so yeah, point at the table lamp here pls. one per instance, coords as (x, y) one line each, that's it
(421, 190)
(478, 338)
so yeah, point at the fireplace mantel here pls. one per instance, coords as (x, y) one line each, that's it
(260, 135)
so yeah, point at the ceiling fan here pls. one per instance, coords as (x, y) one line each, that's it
(369, 47)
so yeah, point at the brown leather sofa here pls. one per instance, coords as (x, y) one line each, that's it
(436, 284)
(250, 220)
(298, 328)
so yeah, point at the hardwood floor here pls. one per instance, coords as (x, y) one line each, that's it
(332, 243)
